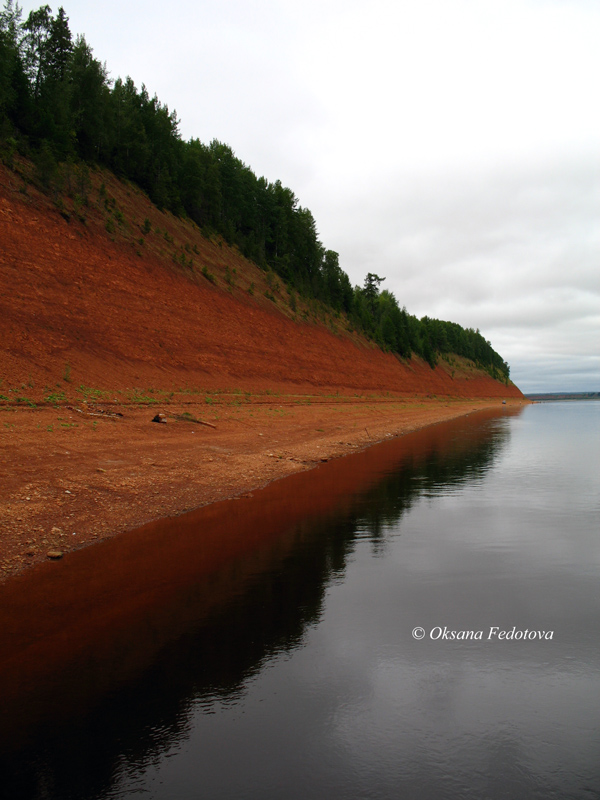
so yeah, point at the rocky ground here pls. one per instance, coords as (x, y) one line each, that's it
(75, 475)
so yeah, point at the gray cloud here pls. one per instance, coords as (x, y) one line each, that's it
(452, 148)
(513, 252)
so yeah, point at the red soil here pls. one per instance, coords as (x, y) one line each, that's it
(89, 316)
(127, 587)
(76, 304)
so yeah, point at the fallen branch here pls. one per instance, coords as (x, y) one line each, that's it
(189, 418)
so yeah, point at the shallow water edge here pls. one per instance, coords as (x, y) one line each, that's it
(69, 481)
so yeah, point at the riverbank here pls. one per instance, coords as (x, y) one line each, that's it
(79, 474)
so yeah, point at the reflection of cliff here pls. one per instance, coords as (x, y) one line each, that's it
(464, 458)
(104, 657)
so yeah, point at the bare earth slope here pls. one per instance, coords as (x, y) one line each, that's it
(98, 317)
(76, 304)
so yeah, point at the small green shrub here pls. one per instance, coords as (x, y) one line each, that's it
(208, 275)
(138, 397)
(54, 397)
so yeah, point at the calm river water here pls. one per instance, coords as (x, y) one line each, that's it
(263, 648)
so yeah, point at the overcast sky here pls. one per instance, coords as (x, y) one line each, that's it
(452, 146)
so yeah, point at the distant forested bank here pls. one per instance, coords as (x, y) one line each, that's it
(58, 106)
(550, 396)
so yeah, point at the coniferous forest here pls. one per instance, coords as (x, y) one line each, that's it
(58, 105)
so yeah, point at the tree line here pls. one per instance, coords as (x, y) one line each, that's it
(57, 103)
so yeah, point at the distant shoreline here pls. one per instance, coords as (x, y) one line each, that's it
(549, 396)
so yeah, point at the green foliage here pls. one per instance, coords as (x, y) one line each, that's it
(55, 398)
(58, 104)
(136, 396)
(208, 275)
(46, 167)
(371, 289)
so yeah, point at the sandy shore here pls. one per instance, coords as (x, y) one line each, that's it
(75, 475)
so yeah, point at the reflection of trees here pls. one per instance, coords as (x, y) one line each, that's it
(439, 471)
(214, 660)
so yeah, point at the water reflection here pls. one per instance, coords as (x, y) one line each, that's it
(255, 632)
(104, 654)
